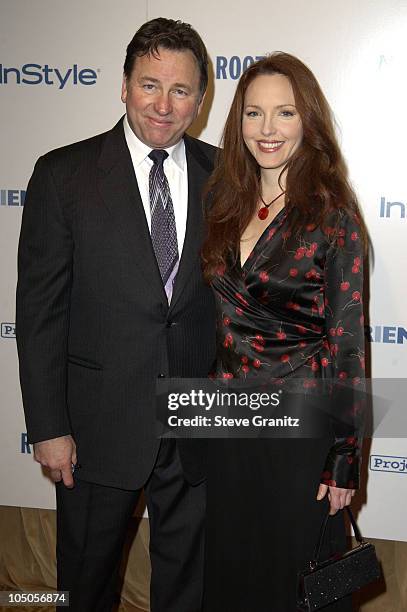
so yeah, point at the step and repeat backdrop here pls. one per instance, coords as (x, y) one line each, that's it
(60, 77)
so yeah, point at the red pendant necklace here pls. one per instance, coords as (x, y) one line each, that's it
(263, 212)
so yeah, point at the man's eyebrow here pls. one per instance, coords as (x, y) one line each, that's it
(183, 85)
(148, 78)
(153, 80)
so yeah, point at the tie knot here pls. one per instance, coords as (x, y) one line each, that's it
(158, 156)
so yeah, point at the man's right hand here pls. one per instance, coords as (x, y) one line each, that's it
(57, 455)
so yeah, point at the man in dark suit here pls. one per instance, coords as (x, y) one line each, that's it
(110, 297)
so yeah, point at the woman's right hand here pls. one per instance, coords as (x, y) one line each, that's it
(338, 498)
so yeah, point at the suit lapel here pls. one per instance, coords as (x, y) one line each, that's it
(199, 169)
(119, 190)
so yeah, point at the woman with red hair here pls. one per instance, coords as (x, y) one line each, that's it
(284, 254)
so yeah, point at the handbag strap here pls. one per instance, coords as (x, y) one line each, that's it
(356, 531)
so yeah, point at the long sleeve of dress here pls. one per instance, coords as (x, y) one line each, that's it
(345, 333)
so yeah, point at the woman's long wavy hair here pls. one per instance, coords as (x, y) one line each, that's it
(316, 180)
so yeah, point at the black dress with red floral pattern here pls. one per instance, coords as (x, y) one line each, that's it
(293, 310)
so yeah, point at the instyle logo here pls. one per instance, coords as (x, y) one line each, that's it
(24, 445)
(387, 334)
(37, 74)
(396, 210)
(12, 197)
(232, 67)
(388, 463)
(8, 330)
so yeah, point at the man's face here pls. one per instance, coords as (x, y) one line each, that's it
(162, 97)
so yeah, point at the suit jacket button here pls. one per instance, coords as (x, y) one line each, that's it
(161, 376)
(169, 324)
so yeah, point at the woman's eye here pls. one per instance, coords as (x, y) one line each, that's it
(252, 113)
(287, 113)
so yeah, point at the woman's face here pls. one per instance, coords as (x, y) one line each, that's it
(271, 124)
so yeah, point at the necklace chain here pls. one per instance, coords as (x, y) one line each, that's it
(272, 201)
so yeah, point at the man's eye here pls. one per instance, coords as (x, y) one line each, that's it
(149, 86)
(180, 92)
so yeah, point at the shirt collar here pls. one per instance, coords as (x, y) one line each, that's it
(140, 151)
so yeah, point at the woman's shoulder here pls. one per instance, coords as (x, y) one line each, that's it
(342, 221)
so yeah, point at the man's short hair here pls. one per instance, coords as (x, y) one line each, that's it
(168, 34)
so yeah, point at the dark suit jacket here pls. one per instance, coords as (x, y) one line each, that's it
(94, 329)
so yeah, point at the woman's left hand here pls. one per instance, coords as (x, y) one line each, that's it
(338, 498)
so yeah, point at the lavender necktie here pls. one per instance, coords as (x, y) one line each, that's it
(163, 229)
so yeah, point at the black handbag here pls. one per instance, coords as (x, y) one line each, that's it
(327, 581)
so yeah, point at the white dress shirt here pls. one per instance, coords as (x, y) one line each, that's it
(175, 168)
